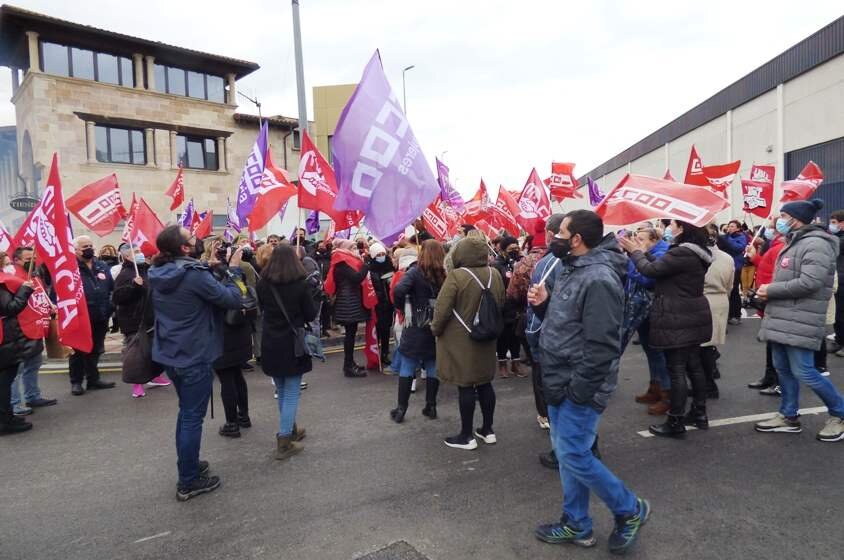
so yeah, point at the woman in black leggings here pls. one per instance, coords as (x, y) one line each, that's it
(345, 281)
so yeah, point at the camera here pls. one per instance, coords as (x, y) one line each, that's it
(246, 253)
(223, 252)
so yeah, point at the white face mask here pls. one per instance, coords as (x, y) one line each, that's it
(9, 269)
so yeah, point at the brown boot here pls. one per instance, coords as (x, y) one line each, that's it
(517, 371)
(651, 396)
(298, 433)
(503, 373)
(660, 408)
(286, 448)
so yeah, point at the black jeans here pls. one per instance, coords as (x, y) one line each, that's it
(384, 326)
(681, 362)
(839, 317)
(83, 365)
(234, 393)
(771, 376)
(349, 343)
(709, 361)
(538, 395)
(820, 357)
(7, 376)
(485, 395)
(508, 341)
(735, 296)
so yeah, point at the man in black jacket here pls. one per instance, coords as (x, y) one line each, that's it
(13, 300)
(836, 228)
(98, 285)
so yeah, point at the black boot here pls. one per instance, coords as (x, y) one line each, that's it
(697, 417)
(353, 370)
(673, 427)
(432, 386)
(385, 359)
(397, 414)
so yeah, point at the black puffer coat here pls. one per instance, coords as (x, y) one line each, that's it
(130, 298)
(15, 345)
(348, 304)
(680, 314)
(278, 358)
(420, 343)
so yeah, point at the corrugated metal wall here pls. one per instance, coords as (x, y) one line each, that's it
(830, 157)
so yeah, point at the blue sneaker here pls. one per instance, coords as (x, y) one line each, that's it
(627, 528)
(563, 533)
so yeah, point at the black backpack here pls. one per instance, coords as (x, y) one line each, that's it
(488, 323)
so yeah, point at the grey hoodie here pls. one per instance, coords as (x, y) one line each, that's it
(580, 340)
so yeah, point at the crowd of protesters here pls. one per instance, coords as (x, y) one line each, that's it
(565, 301)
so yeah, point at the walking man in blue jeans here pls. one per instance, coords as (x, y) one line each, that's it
(795, 317)
(189, 305)
(580, 346)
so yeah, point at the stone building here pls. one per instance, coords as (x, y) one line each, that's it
(111, 103)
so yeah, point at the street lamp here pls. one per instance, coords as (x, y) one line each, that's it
(403, 93)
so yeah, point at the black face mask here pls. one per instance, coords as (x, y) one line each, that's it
(514, 255)
(560, 248)
(27, 266)
(88, 254)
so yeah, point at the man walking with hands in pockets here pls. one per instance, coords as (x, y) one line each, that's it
(581, 349)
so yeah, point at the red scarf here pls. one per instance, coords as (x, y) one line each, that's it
(34, 320)
(370, 299)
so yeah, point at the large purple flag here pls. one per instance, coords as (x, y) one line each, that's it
(595, 194)
(448, 193)
(250, 179)
(378, 163)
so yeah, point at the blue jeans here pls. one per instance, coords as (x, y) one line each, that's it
(407, 366)
(573, 429)
(656, 358)
(288, 389)
(193, 385)
(798, 364)
(28, 373)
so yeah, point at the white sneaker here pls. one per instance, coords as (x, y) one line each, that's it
(543, 422)
(489, 439)
(833, 430)
(413, 386)
(456, 443)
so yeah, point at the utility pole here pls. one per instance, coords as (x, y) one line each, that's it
(257, 104)
(300, 71)
(403, 92)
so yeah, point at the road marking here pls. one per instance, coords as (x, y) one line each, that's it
(743, 420)
(471, 461)
(145, 539)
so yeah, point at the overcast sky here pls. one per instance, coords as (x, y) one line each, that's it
(501, 86)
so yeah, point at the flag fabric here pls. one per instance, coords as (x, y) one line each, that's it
(449, 213)
(5, 239)
(142, 228)
(562, 182)
(205, 226)
(98, 205)
(505, 213)
(371, 349)
(253, 173)
(176, 190)
(312, 223)
(448, 194)
(763, 173)
(488, 229)
(757, 197)
(273, 194)
(638, 198)
(479, 207)
(232, 221)
(595, 193)
(47, 229)
(187, 216)
(804, 185)
(694, 170)
(534, 205)
(130, 219)
(380, 167)
(720, 177)
(435, 222)
(330, 231)
(668, 176)
(318, 186)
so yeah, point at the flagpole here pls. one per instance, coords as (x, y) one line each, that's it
(32, 263)
(134, 262)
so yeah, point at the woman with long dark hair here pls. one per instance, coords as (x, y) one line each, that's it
(285, 297)
(419, 287)
(680, 319)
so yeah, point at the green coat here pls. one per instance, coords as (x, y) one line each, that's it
(461, 360)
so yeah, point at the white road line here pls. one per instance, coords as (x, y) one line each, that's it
(742, 420)
(145, 539)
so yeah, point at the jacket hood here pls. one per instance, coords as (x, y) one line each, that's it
(167, 278)
(608, 253)
(703, 254)
(471, 252)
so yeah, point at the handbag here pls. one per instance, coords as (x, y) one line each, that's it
(138, 365)
(248, 311)
(300, 346)
(55, 349)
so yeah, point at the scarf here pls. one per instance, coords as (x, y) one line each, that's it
(369, 298)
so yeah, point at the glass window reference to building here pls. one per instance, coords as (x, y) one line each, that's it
(196, 152)
(120, 145)
(216, 88)
(177, 81)
(87, 65)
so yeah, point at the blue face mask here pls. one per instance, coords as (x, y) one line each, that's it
(140, 258)
(782, 226)
(768, 233)
(834, 228)
(668, 235)
(380, 259)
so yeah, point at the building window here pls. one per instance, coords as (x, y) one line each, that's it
(330, 153)
(216, 88)
(297, 141)
(177, 81)
(120, 145)
(196, 152)
(87, 65)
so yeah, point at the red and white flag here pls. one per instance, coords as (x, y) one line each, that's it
(176, 190)
(534, 205)
(371, 349)
(757, 197)
(273, 193)
(5, 238)
(205, 226)
(318, 186)
(694, 170)
(638, 198)
(453, 218)
(506, 212)
(479, 207)
(720, 177)
(98, 205)
(804, 185)
(562, 182)
(488, 229)
(435, 222)
(763, 173)
(47, 231)
(142, 227)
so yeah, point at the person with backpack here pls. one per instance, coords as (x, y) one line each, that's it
(419, 288)
(467, 322)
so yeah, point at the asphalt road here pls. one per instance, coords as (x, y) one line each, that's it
(96, 478)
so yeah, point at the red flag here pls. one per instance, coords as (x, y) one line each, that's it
(694, 170)
(177, 190)
(34, 319)
(273, 193)
(668, 176)
(562, 182)
(489, 230)
(479, 207)
(804, 185)
(130, 219)
(98, 205)
(763, 173)
(452, 217)
(142, 227)
(720, 177)
(534, 205)
(318, 186)
(373, 356)
(205, 227)
(757, 197)
(505, 213)
(638, 198)
(435, 222)
(5, 239)
(46, 229)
